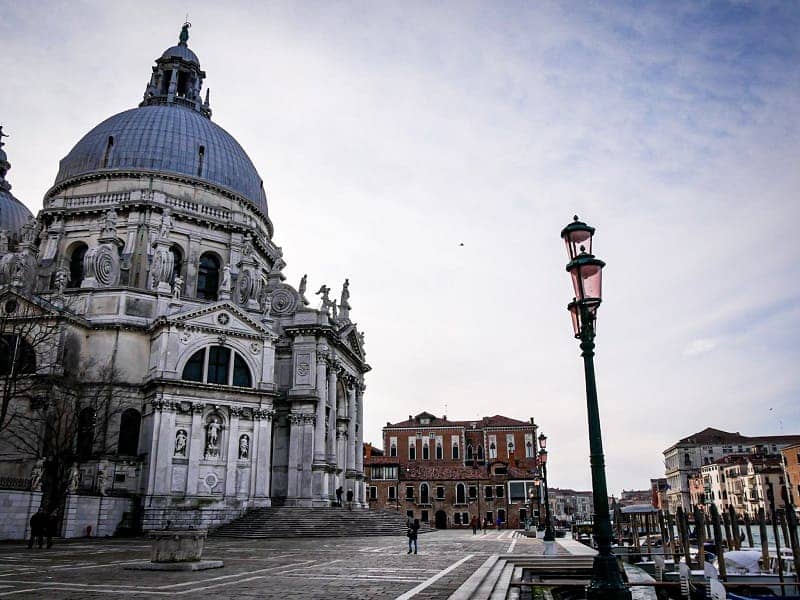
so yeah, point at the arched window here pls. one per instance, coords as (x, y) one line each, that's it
(393, 450)
(16, 356)
(76, 265)
(424, 497)
(129, 432)
(214, 365)
(469, 451)
(492, 451)
(480, 452)
(426, 453)
(208, 277)
(86, 422)
(177, 262)
(455, 452)
(439, 452)
(461, 494)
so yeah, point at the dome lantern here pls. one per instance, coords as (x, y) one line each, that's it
(177, 78)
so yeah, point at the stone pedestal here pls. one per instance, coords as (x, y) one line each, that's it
(179, 550)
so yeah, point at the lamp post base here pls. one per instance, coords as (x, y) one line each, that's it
(607, 582)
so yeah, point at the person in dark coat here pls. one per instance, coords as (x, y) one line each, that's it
(474, 524)
(350, 499)
(413, 529)
(339, 492)
(52, 527)
(38, 527)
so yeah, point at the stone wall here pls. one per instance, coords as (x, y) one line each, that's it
(17, 507)
(103, 513)
(191, 517)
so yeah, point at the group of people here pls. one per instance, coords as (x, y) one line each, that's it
(43, 525)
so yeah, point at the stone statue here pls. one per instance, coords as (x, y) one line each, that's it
(266, 307)
(102, 482)
(184, 36)
(225, 286)
(244, 446)
(109, 223)
(212, 436)
(301, 289)
(36, 476)
(326, 301)
(166, 223)
(278, 266)
(74, 479)
(180, 443)
(30, 231)
(61, 280)
(361, 337)
(344, 301)
(177, 285)
(334, 310)
(247, 246)
(3, 242)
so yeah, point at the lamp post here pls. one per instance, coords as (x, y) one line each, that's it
(549, 534)
(586, 273)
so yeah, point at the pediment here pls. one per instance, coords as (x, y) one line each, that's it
(352, 338)
(14, 304)
(223, 317)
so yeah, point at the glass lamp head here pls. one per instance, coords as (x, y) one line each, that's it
(542, 440)
(575, 235)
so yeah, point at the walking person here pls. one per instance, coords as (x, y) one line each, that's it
(474, 524)
(339, 492)
(52, 527)
(413, 530)
(38, 526)
(349, 499)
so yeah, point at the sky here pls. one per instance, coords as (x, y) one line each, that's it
(388, 134)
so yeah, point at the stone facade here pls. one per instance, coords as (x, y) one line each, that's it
(447, 472)
(154, 256)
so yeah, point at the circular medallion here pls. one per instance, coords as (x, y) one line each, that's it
(223, 318)
(284, 302)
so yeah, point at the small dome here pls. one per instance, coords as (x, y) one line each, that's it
(181, 51)
(167, 138)
(13, 213)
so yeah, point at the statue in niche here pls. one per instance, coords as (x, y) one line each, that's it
(213, 430)
(36, 476)
(109, 222)
(244, 447)
(247, 247)
(61, 280)
(30, 231)
(177, 285)
(102, 482)
(166, 223)
(180, 443)
(74, 479)
(266, 307)
(225, 286)
(3, 242)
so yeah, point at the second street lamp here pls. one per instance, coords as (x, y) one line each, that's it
(549, 534)
(586, 272)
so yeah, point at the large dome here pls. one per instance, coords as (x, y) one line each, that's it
(13, 213)
(170, 139)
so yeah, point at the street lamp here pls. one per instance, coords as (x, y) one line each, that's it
(586, 272)
(549, 534)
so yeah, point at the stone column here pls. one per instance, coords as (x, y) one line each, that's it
(360, 443)
(162, 459)
(295, 453)
(196, 448)
(351, 430)
(319, 430)
(341, 452)
(233, 452)
(332, 452)
(262, 463)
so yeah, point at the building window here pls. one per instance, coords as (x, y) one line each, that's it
(177, 262)
(86, 422)
(440, 492)
(393, 450)
(488, 492)
(384, 472)
(455, 452)
(499, 491)
(409, 492)
(76, 265)
(469, 451)
(412, 450)
(460, 494)
(492, 451)
(501, 514)
(480, 452)
(128, 442)
(373, 492)
(16, 356)
(410, 514)
(217, 369)
(424, 497)
(490, 516)
(208, 277)
(392, 492)
(473, 491)
(424, 516)
(457, 518)
(425, 451)
(465, 518)
(439, 452)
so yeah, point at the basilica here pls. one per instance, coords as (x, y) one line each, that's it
(153, 264)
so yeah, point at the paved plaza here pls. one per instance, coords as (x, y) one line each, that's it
(362, 568)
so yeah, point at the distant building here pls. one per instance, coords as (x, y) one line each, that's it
(570, 505)
(684, 459)
(747, 482)
(658, 490)
(447, 472)
(791, 472)
(631, 497)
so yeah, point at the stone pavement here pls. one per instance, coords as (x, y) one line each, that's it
(358, 568)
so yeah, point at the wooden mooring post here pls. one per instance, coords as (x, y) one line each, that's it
(791, 518)
(735, 532)
(683, 532)
(672, 545)
(747, 529)
(699, 527)
(776, 533)
(718, 542)
(726, 521)
(762, 533)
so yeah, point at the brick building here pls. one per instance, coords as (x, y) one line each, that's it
(445, 472)
(790, 457)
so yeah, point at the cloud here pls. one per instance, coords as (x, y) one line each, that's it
(700, 346)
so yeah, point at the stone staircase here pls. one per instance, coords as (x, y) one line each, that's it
(286, 522)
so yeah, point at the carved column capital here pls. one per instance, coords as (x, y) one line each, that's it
(263, 413)
(236, 411)
(198, 407)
